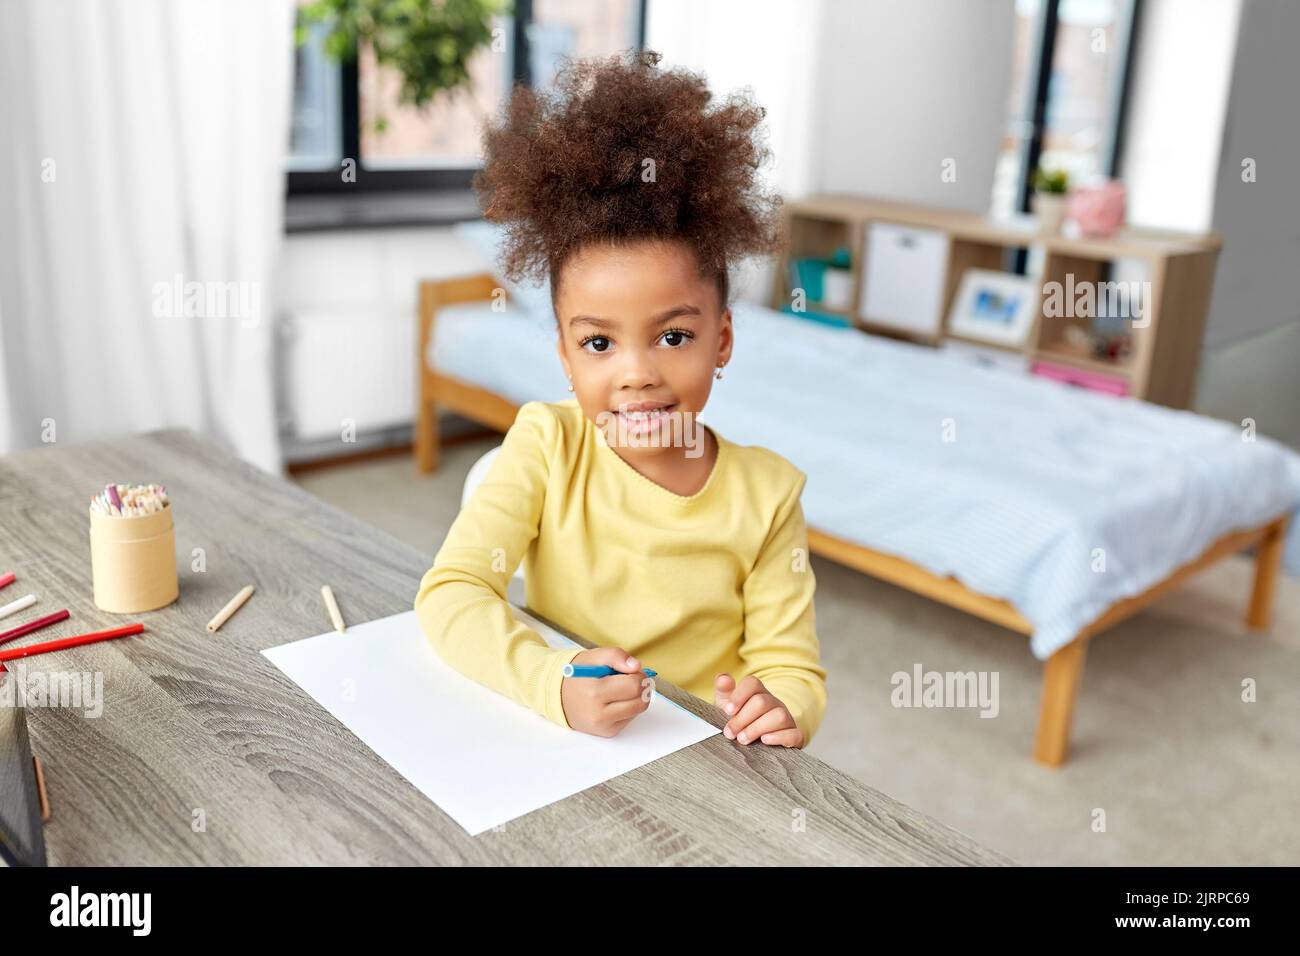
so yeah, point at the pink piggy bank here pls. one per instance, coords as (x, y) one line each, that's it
(1098, 210)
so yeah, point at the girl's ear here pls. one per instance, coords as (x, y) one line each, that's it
(725, 338)
(564, 359)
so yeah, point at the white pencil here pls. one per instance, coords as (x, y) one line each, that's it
(22, 604)
(234, 605)
(332, 606)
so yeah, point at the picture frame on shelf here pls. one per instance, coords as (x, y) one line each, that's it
(994, 307)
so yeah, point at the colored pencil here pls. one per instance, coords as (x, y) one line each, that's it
(36, 625)
(22, 604)
(65, 642)
(598, 670)
(7, 579)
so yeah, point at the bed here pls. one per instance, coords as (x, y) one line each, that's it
(1051, 511)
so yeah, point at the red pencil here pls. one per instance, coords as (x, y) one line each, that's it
(7, 579)
(35, 625)
(66, 642)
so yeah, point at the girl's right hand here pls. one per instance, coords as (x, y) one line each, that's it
(602, 706)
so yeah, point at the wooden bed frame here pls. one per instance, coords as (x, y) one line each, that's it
(1062, 670)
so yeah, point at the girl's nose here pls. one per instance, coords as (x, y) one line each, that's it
(638, 371)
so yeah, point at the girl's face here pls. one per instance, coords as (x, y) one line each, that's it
(641, 335)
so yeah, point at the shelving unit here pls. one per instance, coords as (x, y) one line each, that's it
(1165, 346)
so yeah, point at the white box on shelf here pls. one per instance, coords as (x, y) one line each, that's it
(902, 285)
(837, 289)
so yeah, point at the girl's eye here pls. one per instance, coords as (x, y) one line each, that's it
(674, 338)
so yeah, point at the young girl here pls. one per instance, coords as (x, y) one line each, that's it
(640, 529)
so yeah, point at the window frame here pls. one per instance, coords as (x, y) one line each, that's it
(327, 181)
(1044, 54)
(1031, 150)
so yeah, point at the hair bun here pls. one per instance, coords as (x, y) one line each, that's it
(619, 150)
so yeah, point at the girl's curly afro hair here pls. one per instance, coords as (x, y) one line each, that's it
(620, 151)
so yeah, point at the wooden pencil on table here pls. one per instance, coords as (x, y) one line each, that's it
(234, 605)
(332, 606)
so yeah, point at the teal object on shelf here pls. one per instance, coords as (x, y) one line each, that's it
(825, 318)
(809, 275)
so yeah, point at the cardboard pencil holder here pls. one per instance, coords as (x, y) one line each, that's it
(133, 561)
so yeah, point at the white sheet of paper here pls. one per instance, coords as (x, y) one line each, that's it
(477, 754)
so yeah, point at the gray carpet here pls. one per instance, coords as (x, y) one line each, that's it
(1169, 766)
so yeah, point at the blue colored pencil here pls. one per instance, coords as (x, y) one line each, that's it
(596, 670)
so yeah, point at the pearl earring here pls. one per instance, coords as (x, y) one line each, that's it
(570, 384)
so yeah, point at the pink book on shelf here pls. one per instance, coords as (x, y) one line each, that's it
(1083, 378)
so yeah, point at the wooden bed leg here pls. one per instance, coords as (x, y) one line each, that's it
(426, 437)
(426, 415)
(1268, 558)
(1060, 687)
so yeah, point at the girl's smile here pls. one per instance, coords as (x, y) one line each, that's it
(640, 418)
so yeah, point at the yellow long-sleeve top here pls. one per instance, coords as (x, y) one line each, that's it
(692, 586)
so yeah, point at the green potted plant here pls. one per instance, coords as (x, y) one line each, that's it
(1050, 189)
(429, 42)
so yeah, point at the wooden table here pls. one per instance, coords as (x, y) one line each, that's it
(207, 754)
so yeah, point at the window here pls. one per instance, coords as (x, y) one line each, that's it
(1069, 87)
(337, 107)
(580, 28)
(315, 132)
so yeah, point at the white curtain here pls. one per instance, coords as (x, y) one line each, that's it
(142, 147)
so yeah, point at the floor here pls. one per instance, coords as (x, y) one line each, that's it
(1169, 765)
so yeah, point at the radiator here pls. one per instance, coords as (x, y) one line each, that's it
(346, 367)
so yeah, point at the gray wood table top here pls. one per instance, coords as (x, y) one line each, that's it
(205, 753)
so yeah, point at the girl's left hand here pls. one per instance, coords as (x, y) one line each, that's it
(755, 714)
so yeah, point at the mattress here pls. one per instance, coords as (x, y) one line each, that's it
(1058, 500)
